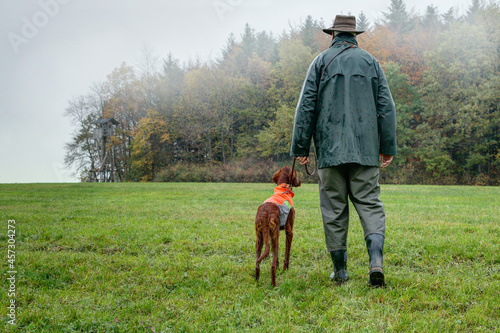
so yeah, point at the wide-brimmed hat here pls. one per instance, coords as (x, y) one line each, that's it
(343, 23)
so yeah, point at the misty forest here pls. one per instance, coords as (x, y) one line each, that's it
(231, 118)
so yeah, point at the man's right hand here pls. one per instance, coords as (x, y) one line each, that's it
(303, 160)
(385, 160)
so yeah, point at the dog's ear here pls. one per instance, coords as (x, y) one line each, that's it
(277, 176)
(296, 181)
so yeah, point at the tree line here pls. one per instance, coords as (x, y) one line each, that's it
(231, 118)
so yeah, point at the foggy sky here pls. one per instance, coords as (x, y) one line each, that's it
(51, 51)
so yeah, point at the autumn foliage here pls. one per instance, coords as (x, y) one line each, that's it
(226, 115)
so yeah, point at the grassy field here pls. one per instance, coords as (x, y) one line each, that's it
(178, 257)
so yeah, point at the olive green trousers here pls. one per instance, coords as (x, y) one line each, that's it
(358, 183)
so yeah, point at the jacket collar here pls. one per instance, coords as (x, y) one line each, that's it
(344, 39)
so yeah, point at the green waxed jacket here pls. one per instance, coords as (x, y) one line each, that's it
(349, 111)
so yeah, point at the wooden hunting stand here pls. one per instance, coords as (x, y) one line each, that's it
(105, 171)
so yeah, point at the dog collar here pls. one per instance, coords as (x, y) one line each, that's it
(287, 188)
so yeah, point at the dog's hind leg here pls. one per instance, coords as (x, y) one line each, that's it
(274, 229)
(258, 250)
(289, 236)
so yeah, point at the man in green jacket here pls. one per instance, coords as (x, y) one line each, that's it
(346, 106)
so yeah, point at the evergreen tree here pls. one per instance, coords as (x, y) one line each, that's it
(229, 56)
(398, 18)
(362, 22)
(266, 47)
(246, 48)
(449, 17)
(473, 9)
(248, 41)
(431, 19)
(308, 32)
(170, 85)
(229, 49)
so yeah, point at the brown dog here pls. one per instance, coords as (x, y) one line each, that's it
(267, 221)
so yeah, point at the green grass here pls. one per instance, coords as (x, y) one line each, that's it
(180, 258)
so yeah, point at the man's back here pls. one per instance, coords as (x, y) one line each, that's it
(345, 104)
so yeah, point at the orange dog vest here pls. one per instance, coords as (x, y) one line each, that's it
(282, 193)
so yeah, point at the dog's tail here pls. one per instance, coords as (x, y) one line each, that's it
(267, 248)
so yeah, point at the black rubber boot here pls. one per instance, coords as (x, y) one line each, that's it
(339, 258)
(375, 247)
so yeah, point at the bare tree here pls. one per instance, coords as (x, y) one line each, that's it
(81, 152)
